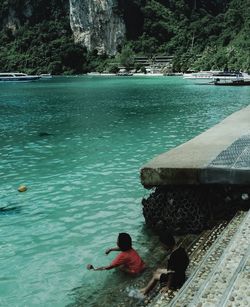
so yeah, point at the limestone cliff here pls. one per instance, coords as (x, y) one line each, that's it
(12, 16)
(96, 25)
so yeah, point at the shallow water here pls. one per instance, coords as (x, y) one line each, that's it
(78, 144)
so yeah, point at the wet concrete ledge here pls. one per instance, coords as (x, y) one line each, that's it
(220, 155)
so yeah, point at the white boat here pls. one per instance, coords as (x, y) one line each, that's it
(46, 76)
(228, 76)
(124, 74)
(238, 79)
(17, 77)
(138, 74)
(201, 77)
(212, 76)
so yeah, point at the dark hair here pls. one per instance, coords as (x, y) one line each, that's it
(124, 241)
(167, 239)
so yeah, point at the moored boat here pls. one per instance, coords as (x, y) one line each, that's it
(228, 76)
(124, 74)
(18, 77)
(241, 82)
(213, 76)
(201, 77)
(46, 76)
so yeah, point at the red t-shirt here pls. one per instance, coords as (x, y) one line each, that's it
(130, 260)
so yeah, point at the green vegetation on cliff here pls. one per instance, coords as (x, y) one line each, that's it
(36, 37)
(201, 34)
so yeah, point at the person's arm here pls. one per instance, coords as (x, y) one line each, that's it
(113, 249)
(91, 267)
(118, 261)
(102, 268)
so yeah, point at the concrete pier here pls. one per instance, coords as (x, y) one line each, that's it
(201, 181)
(220, 155)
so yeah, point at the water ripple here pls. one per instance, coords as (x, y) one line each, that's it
(83, 179)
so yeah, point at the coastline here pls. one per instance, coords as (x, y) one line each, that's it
(135, 74)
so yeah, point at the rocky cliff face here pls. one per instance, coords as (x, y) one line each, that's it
(12, 16)
(96, 24)
(15, 13)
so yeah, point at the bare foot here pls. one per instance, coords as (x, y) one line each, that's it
(143, 291)
(136, 293)
(164, 290)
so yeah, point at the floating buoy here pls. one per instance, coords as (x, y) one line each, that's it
(22, 188)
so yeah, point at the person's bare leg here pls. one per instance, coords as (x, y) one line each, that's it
(151, 283)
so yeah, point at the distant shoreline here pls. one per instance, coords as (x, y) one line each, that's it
(136, 74)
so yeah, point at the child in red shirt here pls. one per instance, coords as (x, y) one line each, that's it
(128, 260)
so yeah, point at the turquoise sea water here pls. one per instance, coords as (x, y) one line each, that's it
(83, 179)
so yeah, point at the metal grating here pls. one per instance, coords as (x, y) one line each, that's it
(236, 156)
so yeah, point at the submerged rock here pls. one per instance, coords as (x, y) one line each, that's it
(42, 134)
(9, 210)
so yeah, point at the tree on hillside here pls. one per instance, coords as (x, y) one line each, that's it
(127, 58)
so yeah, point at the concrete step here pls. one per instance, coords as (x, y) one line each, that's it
(196, 251)
(238, 293)
(208, 256)
(221, 278)
(195, 247)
